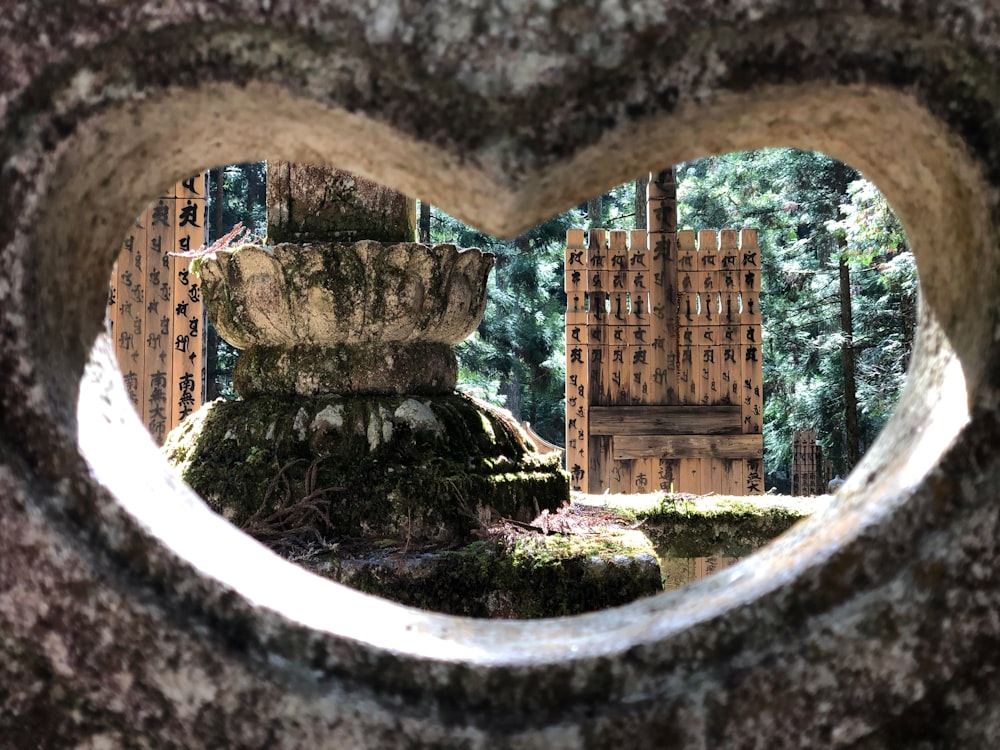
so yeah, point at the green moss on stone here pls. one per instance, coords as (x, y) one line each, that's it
(727, 526)
(539, 576)
(374, 475)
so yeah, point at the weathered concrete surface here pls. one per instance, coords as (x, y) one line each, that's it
(131, 616)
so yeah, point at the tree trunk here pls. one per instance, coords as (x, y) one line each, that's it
(511, 388)
(851, 430)
(220, 197)
(908, 321)
(211, 364)
(595, 209)
(425, 222)
(641, 184)
(212, 342)
(250, 175)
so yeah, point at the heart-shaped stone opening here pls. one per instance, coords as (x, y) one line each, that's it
(119, 549)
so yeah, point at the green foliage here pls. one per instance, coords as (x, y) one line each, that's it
(516, 359)
(243, 202)
(244, 199)
(809, 209)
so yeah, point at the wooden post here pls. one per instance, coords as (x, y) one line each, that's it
(577, 361)
(643, 359)
(130, 323)
(157, 346)
(662, 300)
(752, 401)
(187, 307)
(599, 374)
(729, 368)
(687, 316)
(145, 319)
(620, 370)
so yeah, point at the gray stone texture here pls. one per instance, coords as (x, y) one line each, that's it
(131, 616)
(357, 293)
(363, 317)
(314, 203)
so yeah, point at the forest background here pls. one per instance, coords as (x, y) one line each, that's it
(839, 293)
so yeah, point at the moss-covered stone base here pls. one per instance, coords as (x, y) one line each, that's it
(697, 535)
(535, 576)
(416, 470)
(687, 526)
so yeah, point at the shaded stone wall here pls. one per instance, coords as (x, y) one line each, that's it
(130, 615)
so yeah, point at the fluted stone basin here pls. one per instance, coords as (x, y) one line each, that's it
(365, 317)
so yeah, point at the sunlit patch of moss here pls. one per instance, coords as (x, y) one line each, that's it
(690, 526)
(536, 575)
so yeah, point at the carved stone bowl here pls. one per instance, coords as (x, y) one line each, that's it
(359, 293)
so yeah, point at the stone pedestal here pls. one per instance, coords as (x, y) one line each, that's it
(364, 470)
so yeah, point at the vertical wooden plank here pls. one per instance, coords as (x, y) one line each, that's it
(577, 393)
(618, 314)
(645, 475)
(795, 465)
(735, 477)
(662, 243)
(575, 269)
(599, 452)
(687, 317)
(187, 306)
(708, 317)
(598, 265)
(597, 319)
(667, 475)
(156, 411)
(814, 472)
(620, 476)
(752, 402)
(754, 477)
(718, 476)
(121, 322)
(642, 357)
(700, 336)
(640, 354)
(110, 312)
(728, 332)
(133, 316)
(192, 199)
(577, 361)
(641, 333)
(599, 374)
